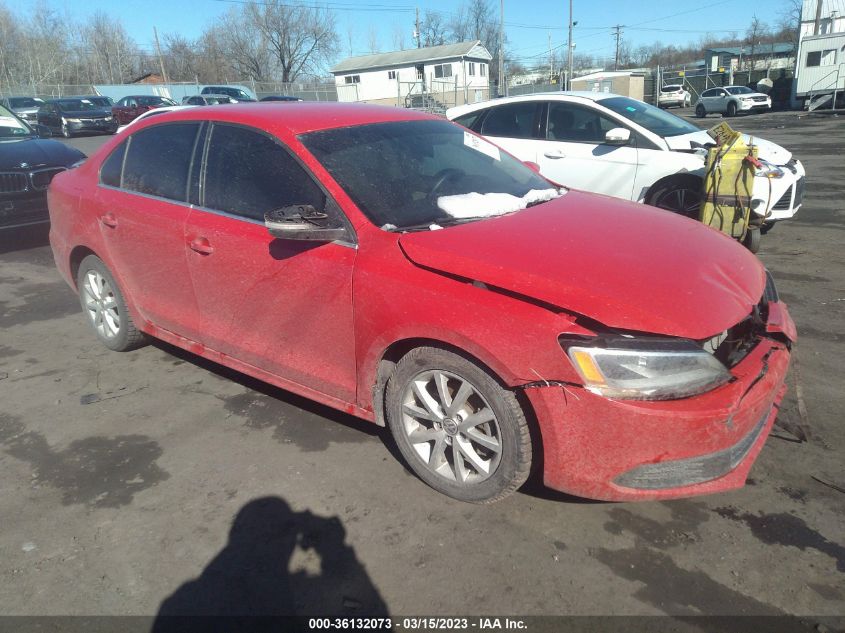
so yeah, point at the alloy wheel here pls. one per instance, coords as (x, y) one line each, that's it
(451, 427)
(684, 201)
(101, 304)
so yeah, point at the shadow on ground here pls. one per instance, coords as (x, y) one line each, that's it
(277, 562)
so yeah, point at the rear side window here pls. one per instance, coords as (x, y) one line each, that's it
(247, 174)
(514, 120)
(113, 166)
(158, 159)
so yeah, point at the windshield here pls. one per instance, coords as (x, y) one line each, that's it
(419, 173)
(154, 101)
(100, 101)
(25, 102)
(653, 119)
(739, 90)
(10, 125)
(76, 105)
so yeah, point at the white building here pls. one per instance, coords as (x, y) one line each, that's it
(820, 67)
(452, 74)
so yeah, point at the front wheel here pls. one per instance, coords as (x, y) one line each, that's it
(679, 194)
(105, 306)
(731, 109)
(700, 112)
(65, 129)
(458, 429)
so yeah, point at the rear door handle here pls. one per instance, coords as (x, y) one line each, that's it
(202, 246)
(554, 153)
(109, 220)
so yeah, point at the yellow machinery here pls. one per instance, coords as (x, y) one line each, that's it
(728, 185)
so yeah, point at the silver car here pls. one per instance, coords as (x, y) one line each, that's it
(730, 101)
(25, 107)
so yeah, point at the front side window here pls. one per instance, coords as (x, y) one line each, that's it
(399, 173)
(248, 173)
(158, 159)
(514, 120)
(573, 123)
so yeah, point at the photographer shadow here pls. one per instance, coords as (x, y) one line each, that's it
(251, 576)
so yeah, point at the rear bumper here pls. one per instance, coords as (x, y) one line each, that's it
(621, 450)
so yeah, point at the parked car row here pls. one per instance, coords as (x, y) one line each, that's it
(399, 267)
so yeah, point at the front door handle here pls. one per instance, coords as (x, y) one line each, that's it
(554, 154)
(202, 246)
(109, 220)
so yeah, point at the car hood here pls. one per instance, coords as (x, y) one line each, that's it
(20, 111)
(628, 266)
(35, 153)
(768, 151)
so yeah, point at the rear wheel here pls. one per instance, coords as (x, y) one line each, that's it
(680, 194)
(105, 306)
(459, 430)
(700, 112)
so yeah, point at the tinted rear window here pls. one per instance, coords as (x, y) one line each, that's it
(514, 120)
(158, 159)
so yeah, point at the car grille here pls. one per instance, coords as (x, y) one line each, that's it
(785, 201)
(758, 98)
(42, 177)
(12, 182)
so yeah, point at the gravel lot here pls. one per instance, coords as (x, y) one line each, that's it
(154, 480)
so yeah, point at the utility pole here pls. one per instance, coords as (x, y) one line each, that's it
(417, 31)
(551, 59)
(502, 48)
(569, 51)
(160, 60)
(618, 36)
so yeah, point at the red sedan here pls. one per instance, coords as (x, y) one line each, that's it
(397, 267)
(128, 108)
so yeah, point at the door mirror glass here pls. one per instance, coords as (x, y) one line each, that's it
(302, 222)
(532, 166)
(617, 136)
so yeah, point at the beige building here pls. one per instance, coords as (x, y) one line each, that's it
(622, 82)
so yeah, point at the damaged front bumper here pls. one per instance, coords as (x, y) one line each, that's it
(624, 450)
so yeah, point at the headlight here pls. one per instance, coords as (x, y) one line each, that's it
(107, 118)
(769, 171)
(647, 369)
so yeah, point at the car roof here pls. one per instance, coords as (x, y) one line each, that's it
(299, 117)
(569, 95)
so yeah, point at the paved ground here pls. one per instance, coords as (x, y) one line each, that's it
(125, 476)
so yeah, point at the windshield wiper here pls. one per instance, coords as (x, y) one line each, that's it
(441, 222)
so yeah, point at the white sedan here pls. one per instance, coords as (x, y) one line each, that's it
(624, 148)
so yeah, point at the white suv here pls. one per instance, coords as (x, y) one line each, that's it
(674, 95)
(731, 100)
(624, 148)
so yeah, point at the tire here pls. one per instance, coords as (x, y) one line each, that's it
(700, 111)
(105, 307)
(766, 227)
(752, 239)
(494, 455)
(679, 194)
(731, 112)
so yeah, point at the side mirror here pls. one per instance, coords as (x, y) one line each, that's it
(42, 130)
(532, 166)
(618, 136)
(302, 222)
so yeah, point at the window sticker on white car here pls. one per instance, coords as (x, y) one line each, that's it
(480, 145)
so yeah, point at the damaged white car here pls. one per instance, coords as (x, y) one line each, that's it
(625, 148)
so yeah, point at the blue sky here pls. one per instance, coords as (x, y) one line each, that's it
(529, 24)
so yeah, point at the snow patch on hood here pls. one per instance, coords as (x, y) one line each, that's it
(768, 151)
(483, 205)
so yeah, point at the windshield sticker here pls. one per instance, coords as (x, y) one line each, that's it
(631, 109)
(480, 145)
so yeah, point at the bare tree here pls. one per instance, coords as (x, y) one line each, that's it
(301, 38)
(110, 49)
(180, 58)
(433, 29)
(372, 40)
(398, 37)
(754, 35)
